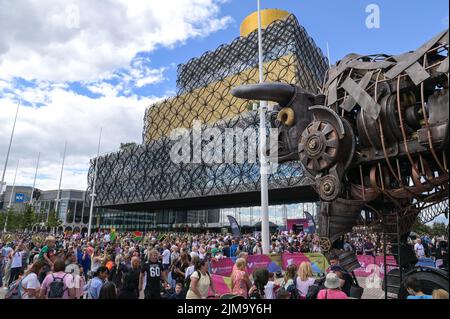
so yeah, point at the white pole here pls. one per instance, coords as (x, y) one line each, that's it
(60, 180)
(9, 149)
(91, 208)
(328, 54)
(11, 196)
(35, 175)
(262, 131)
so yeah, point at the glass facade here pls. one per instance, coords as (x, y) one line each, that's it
(197, 219)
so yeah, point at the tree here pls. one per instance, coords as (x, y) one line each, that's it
(439, 229)
(124, 146)
(53, 220)
(420, 228)
(13, 220)
(29, 217)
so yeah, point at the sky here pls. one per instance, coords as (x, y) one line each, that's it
(78, 66)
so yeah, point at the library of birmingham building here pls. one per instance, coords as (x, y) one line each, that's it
(141, 188)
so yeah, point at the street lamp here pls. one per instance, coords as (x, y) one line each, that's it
(91, 209)
(262, 140)
(10, 197)
(9, 149)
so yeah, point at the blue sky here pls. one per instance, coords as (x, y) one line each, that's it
(340, 23)
(80, 65)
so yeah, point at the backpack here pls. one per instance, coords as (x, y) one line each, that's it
(14, 290)
(314, 289)
(56, 288)
(291, 289)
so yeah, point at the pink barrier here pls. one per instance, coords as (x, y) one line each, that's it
(222, 267)
(373, 265)
(257, 261)
(220, 284)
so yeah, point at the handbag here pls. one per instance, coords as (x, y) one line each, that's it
(356, 291)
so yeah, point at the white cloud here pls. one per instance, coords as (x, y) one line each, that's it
(46, 47)
(46, 40)
(72, 117)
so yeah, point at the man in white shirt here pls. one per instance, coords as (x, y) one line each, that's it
(16, 262)
(166, 258)
(419, 250)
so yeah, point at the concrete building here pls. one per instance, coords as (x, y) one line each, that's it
(72, 210)
(19, 198)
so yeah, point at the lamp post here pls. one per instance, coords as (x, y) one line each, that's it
(9, 149)
(34, 182)
(91, 208)
(262, 141)
(11, 196)
(58, 199)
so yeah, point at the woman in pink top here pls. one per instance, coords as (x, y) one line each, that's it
(240, 279)
(58, 284)
(333, 288)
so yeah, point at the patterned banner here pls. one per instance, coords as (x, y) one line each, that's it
(374, 265)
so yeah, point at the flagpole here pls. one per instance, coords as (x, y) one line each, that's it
(11, 196)
(60, 180)
(91, 208)
(263, 162)
(34, 182)
(9, 149)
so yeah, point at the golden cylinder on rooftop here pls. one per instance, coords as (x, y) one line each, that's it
(268, 16)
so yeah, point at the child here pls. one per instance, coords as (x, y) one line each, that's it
(271, 287)
(414, 288)
(179, 293)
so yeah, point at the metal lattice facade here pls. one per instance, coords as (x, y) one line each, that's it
(146, 174)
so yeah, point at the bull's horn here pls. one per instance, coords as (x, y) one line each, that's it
(278, 92)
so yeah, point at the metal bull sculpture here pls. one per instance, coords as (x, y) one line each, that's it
(375, 138)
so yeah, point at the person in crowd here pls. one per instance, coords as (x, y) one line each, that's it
(289, 280)
(332, 288)
(243, 255)
(227, 249)
(179, 269)
(58, 284)
(419, 249)
(85, 262)
(257, 250)
(30, 283)
(440, 294)
(166, 258)
(240, 281)
(201, 282)
(47, 254)
(17, 265)
(117, 271)
(260, 280)
(344, 276)
(72, 264)
(272, 287)
(128, 289)
(108, 291)
(179, 292)
(154, 271)
(234, 247)
(305, 279)
(94, 286)
(135, 272)
(369, 248)
(414, 288)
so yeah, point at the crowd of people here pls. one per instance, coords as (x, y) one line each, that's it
(169, 265)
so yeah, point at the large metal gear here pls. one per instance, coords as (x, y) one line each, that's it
(319, 146)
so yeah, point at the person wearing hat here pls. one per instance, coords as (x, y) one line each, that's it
(332, 288)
